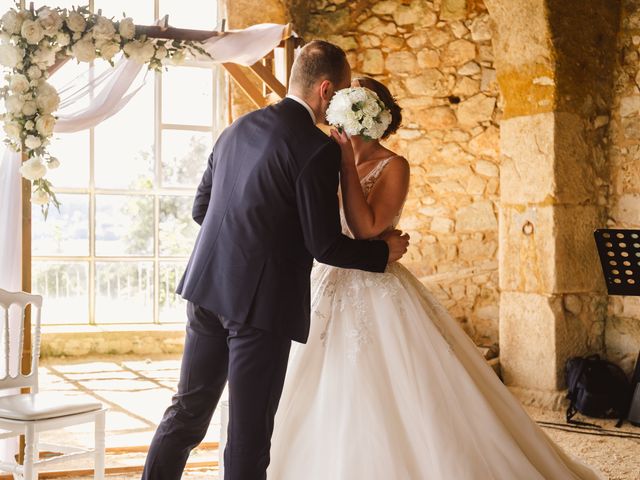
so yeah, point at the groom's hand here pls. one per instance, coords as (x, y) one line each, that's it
(397, 243)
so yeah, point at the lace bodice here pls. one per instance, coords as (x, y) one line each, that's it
(367, 182)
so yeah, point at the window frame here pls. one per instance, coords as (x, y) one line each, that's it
(219, 94)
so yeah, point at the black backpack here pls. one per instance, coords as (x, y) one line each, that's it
(597, 388)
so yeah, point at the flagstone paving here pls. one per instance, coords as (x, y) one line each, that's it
(138, 390)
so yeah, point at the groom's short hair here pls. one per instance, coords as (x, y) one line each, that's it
(318, 60)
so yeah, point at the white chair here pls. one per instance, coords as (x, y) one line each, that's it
(29, 414)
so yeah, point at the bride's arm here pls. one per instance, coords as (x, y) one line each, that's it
(369, 217)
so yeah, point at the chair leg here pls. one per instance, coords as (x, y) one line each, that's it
(29, 441)
(99, 446)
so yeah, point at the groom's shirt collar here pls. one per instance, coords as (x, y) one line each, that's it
(305, 105)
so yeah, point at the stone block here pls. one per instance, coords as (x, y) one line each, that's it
(469, 69)
(466, 87)
(428, 58)
(437, 118)
(477, 217)
(622, 340)
(626, 210)
(545, 159)
(486, 143)
(401, 62)
(486, 168)
(430, 83)
(385, 7)
(372, 62)
(476, 109)
(458, 52)
(453, 9)
(481, 29)
(549, 250)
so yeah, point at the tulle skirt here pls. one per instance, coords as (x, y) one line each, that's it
(389, 386)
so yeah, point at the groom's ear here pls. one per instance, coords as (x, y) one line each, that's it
(326, 90)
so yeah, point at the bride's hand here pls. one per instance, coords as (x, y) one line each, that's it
(348, 157)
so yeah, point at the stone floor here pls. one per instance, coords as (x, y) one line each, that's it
(137, 391)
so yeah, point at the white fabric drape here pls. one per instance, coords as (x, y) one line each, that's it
(105, 95)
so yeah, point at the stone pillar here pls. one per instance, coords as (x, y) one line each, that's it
(554, 63)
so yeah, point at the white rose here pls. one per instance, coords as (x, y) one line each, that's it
(13, 130)
(357, 94)
(177, 58)
(351, 125)
(34, 72)
(33, 169)
(39, 197)
(50, 21)
(53, 163)
(84, 50)
(10, 55)
(63, 39)
(104, 29)
(44, 57)
(5, 38)
(32, 32)
(368, 122)
(11, 22)
(29, 108)
(371, 107)
(45, 124)
(385, 118)
(14, 103)
(19, 83)
(140, 52)
(32, 142)
(127, 28)
(161, 53)
(47, 98)
(29, 125)
(108, 50)
(76, 22)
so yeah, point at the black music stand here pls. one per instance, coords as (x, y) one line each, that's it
(619, 252)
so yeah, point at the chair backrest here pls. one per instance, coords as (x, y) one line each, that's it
(12, 351)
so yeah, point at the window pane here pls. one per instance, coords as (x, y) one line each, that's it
(199, 14)
(124, 144)
(124, 292)
(177, 229)
(140, 10)
(64, 286)
(72, 149)
(124, 225)
(172, 306)
(65, 232)
(187, 96)
(184, 157)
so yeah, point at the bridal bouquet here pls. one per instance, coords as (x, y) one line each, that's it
(359, 111)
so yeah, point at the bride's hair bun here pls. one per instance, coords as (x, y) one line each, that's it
(385, 95)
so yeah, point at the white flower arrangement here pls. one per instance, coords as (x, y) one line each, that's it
(359, 111)
(33, 41)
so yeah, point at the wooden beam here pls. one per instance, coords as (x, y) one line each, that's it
(172, 33)
(266, 75)
(245, 84)
(289, 55)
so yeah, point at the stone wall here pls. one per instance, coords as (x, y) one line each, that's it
(437, 59)
(622, 331)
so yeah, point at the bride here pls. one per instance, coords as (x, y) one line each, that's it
(389, 386)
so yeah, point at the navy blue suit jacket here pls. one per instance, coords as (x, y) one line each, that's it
(268, 205)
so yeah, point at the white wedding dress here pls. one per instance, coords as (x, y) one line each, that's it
(389, 387)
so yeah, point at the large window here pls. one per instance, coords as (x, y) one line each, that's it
(117, 248)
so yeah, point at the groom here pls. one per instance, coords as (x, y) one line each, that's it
(268, 205)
